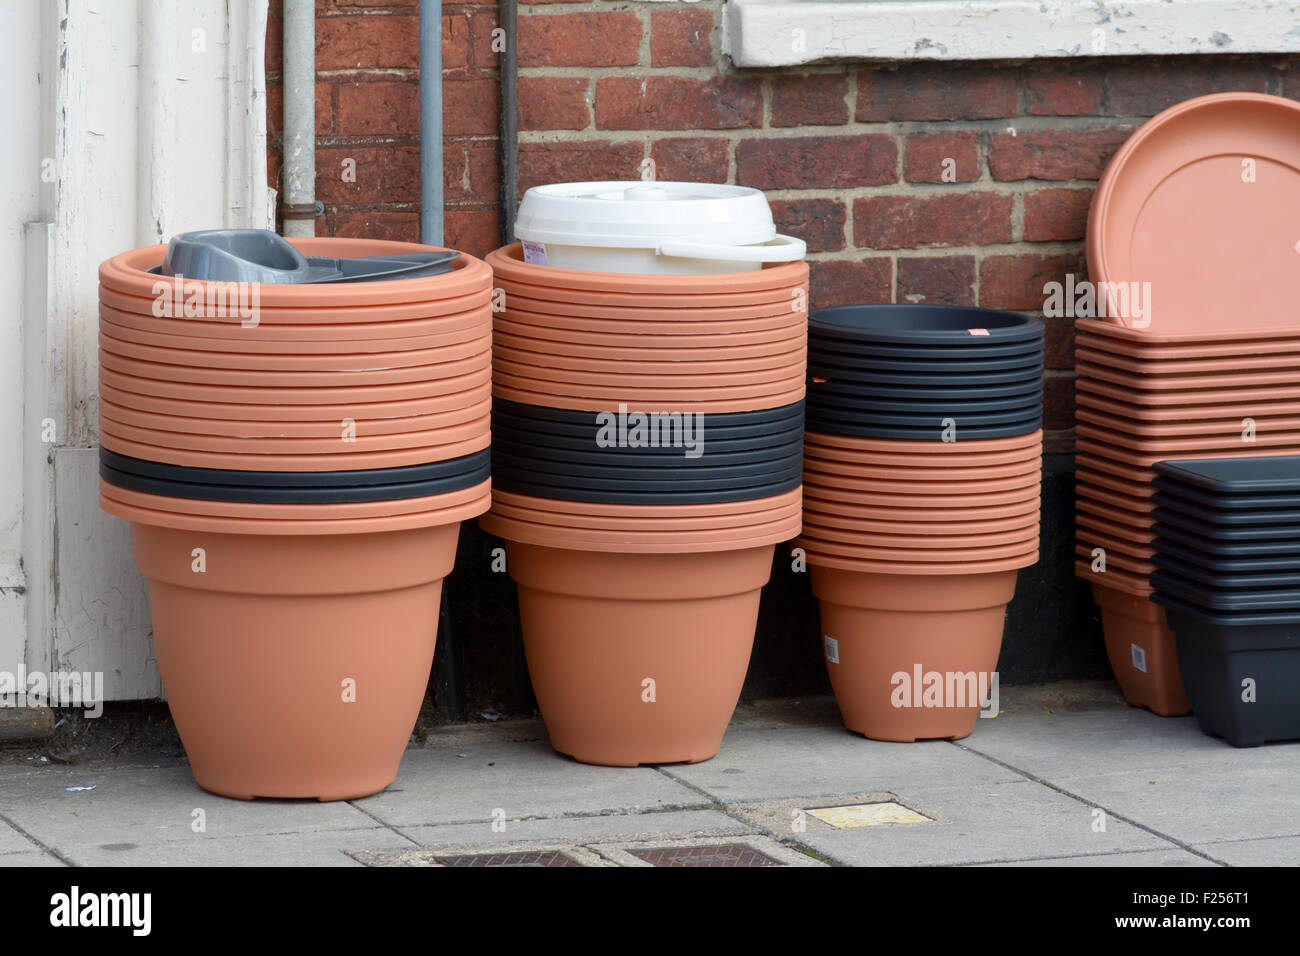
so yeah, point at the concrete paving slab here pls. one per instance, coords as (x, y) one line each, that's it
(982, 824)
(11, 841)
(1057, 744)
(1198, 803)
(25, 860)
(311, 848)
(146, 807)
(525, 779)
(771, 764)
(1142, 858)
(588, 829)
(1278, 851)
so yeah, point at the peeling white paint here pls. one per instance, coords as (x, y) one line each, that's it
(773, 33)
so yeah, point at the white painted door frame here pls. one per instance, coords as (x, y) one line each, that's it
(138, 119)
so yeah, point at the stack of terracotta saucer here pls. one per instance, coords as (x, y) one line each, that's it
(1192, 253)
(295, 460)
(647, 457)
(921, 503)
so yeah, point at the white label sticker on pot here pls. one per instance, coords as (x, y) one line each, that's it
(534, 253)
(1139, 658)
(832, 649)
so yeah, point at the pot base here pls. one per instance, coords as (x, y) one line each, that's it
(1142, 652)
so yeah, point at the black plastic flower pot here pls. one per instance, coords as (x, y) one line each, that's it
(1245, 503)
(1241, 671)
(546, 443)
(1027, 404)
(962, 419)
(928, 379)
(451, 468)
(848, 349)
(958, 393)
(1205, 578)
(1278, 474)
(1243, 518)
(1227, 549)
(545, 415)
(924, 324)
(316, 494)
(1216, 564)
(1228, 534)
(821, 361)
(621, 494)
(1239, 601)
(959, 433)
(608, 461)
(613, 477)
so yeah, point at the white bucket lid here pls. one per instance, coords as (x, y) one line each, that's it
(644, 215)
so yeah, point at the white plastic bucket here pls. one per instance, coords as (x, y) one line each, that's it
(651, 228)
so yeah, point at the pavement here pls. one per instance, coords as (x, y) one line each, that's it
(1066, 775)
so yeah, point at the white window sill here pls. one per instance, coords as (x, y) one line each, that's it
(770, 33)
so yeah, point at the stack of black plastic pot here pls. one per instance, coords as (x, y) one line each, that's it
(1228, 551)
(922, 465)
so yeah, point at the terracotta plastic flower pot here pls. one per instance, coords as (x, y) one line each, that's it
(776, 399)
(760, 533)
(916, 525)
(1100, 350)
(287, 323)
(245, 395)
(650, 374)
(1189, 156)
(813, 529)
(1138, 415)
(1085, 519)
(616, 512)
(772, 392)
(1118, 552)
(508, 265)
(169, 511)
(917, 555)
(814, 476)
(231, 428)
(302, 337)
(381, 375)
(1137, 500)
(637, 658)
(942, 516)
(1127, 512)
(1191, 343)
(957, 448)
(338, 442)
(1258, 380)
(308, 462)
(881, 459)
(782, 323)
(620, 522)
(1183, 445)
(1201, 399)
(1220, 428)
(165, 354)
(964, 502)
(829, 465)
(557, 297)
(1141, 650)
(884, 632)
(941, 568)
(532, 311)
(1099, 479)
(455, 404)
(127, 273)
(648, 347)
(258, 652)
(682, 365)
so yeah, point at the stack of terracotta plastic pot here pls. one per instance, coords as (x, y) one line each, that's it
(921, 503)
(646, 457)
(1193, 348)
(295, 461)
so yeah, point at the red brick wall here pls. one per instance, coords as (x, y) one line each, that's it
(852, 157)
(367, 110)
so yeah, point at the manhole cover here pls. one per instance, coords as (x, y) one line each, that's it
(731, 854)
(866, 815)
(536, 858)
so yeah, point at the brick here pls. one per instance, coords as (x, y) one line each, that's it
(818, 222)
(1017, 281)
(1148, 86)
(580, 39)
(547, 102)
(678, 102)
(476, 231)
(372, 42)
(274, 59)
(1065, 94)
(471, 173)
(1058, 401)
(1055, 154)
(374, 224)
(942, 157)
(939, 280)
(943, 219)
(577, 162)
(692, 159)
(324, 108)
(324, 6)
(482, 55)
(379, 108)
(681, 38)
(383, 175)
(850, 281)
(471, 107)
(936, 94)
(1056, 214)
(819, 99)
(817, 162)
(455, 43)
(1058, 345)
